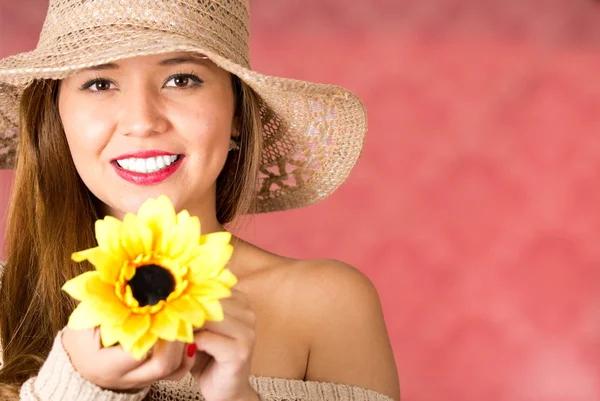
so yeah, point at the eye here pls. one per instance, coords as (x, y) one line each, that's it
(97, 85)
(183, 81)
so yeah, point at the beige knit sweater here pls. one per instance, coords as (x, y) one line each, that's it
(58, 380)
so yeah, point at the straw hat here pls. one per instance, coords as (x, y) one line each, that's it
(313, 133)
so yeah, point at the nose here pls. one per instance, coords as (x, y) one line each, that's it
(142, 114)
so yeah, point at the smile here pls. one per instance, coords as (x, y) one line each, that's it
(147, 165)
(147, 170)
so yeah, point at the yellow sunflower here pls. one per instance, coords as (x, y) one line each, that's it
(155, 277)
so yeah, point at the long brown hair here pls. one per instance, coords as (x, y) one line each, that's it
(52, 215)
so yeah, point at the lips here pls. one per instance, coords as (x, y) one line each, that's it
(143, 154)
(148, 167)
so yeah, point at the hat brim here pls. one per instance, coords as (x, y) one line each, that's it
(313, 133)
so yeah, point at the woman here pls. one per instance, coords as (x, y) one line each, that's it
(127, 100)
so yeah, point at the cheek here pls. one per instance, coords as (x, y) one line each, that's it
(87, 130)
(207, 132)
(86, 134)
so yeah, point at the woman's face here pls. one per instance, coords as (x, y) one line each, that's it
(147, 126)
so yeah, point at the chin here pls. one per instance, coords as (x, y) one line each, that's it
(130, 202)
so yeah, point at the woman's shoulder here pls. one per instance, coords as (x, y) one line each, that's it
(349, 342)
(331, 294)
(334, 310)
(325, 283)
(310, 281)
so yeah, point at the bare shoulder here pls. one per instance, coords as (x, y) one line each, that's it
(317, 287)
(333, 280)
(348, 340)
(326, 314)
(327, 286)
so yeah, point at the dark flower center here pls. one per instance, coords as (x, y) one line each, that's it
(151, 284)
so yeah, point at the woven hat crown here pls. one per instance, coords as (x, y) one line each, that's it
(219, 25)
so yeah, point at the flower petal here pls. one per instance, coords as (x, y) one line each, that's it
(209, 261)
(184, 238)
(86, 316)
(114, 311)
(110, 334)
(214, 310)
(130, 299)
(227, 277)
(89, 287)
(183, 216)
(78, 287)
(185, 332)
(143, 345)
(212, 289)
(165, 325)
(108, 235)
(220, 237)
(188, 309)
(159, 216)
(133, 329)
(136, 237)
(106, 264)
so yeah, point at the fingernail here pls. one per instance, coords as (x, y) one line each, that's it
(191, 350)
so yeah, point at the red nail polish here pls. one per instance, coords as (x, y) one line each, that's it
(191, 350)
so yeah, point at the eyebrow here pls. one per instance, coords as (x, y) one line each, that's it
(200, 60)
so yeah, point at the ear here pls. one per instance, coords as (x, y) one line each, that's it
(235, 127)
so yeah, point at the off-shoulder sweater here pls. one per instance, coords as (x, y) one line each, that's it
(58, 380)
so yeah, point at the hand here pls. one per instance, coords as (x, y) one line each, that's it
(115, 369)
(224, 353)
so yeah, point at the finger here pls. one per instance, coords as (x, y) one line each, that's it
(236, 293)
(166, 357)
(232, 310)
(240, 297)
(113, 359)
(232, 328)
(117, 356)
(189, 357)
(223, 349)
(202, 360)
(85, 338)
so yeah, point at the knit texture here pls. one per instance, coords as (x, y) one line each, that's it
(59, 381)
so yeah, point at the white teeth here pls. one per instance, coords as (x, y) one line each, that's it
(149, 165)
(139, 166)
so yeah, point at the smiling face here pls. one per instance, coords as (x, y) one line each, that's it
(147, 126)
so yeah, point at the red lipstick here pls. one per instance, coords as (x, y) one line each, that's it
(147, 178)
(144, 154)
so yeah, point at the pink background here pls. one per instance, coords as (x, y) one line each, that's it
(475, 208)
